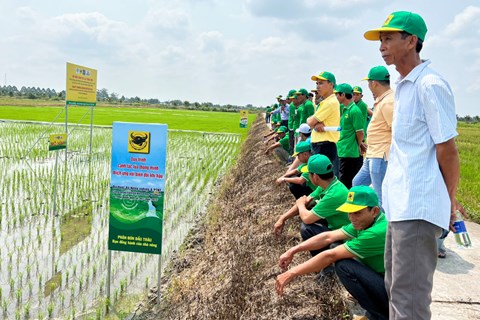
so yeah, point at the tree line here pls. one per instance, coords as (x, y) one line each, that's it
(113, 98)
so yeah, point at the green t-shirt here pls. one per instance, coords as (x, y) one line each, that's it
(291, 116)
(296, 121)
(285, 144)
(276, 117)
(308, 111)
(330, 199)
(316, 193)
(368, 245)
(364, 108)
(306, 177)
(351, 121)
(269, 109)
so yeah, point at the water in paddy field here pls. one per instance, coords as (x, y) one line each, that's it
(54, 262)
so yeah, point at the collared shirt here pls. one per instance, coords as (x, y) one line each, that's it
(380, 127)
(424, 116)
(328, 201)
(327, 112)
(351, 122)
(283, 113)
(368, 245)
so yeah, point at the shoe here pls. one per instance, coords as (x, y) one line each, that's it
(442, 254)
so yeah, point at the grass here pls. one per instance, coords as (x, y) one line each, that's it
(208, 121)
(469, 187)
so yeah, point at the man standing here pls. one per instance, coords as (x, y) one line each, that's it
(326, 115)
(291, 100)
(268, 112)
(350, 145)
(379, 132)
(366, 112)
(284, 111)
(422, 176)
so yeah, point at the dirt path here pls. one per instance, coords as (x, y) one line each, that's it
(228, 266)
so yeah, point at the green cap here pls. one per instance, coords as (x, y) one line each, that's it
(325, 75)
(359, 197)
(282, 129)
(279, 96)
(319, 164)
(302, 146)
(400, 21)
(343, 88)
(302, 91)
(357, 89)
(291, 94)
(275, 105)
(378, 73)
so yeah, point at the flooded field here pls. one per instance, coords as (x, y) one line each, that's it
(53, 258)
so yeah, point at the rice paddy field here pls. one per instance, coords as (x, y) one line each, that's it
(53, 258)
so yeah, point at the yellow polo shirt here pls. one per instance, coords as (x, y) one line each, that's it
(327, 112)
(379, 132)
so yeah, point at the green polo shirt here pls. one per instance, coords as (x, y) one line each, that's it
(308, 111)
(291, 116)
(276, 117)
(296, 122)
(368, 245)
(306, 177)
(284, 143)
(269, 110)
(330, 199)
(364, 108)
(351, 121)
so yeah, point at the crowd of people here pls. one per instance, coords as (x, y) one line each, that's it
(375, 188)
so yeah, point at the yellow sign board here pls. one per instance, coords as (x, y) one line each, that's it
(81, 85)
(57, 141)
(243, 118)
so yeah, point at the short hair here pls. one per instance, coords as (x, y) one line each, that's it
(419, 45)
(326, 176)
(348, 96)
(306, 134)
(384, 83)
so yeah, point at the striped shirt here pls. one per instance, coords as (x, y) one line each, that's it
(424, 116)
(283, 113)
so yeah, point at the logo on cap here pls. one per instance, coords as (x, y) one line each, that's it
(389, 18)
(350, 197)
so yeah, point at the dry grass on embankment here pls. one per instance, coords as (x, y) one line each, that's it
(227, 267)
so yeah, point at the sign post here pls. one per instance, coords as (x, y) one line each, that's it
(243, 118)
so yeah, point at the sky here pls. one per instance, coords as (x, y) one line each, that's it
(226, 52)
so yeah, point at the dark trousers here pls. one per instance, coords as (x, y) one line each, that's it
(328, 149)
(365, 285)
(310, 230)
(267, 118)
(299, 190)
(284, 123)
(349, 168)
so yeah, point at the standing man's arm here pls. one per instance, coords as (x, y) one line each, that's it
(449, 162)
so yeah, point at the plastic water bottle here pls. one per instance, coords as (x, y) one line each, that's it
(461, 235)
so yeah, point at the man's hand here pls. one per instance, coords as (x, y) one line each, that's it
(303, 200)
(278, 227)
(285, 260)
(456, 206)
(280, 180)
(363, 148)
(319, 127)
(282, 280)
